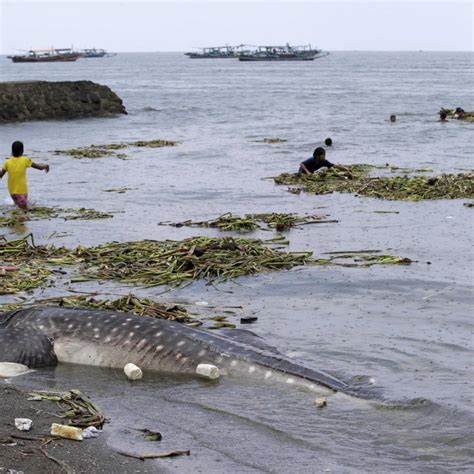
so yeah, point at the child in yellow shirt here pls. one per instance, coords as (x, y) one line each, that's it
(16, 166)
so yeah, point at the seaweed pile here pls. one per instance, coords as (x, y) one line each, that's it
(451, 113)
(362, 258)
(99, 151)
(38, 213)
(153, 263)
(413, 188)
(127, 304)
(249, 222)
(24, 266)
(272, 140)
(147, 263)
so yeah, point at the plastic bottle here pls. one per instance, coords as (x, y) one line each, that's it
(208, 370)
(133, 372)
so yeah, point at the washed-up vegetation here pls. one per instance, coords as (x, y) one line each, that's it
(99, 151)
(413, 188)
(467, 116)
(249, 222)
(24, 266)
(77, 409)
(469, 204)
(272, 140)
(153, 263)
(126, 304)
(362, 258)
(38, 213)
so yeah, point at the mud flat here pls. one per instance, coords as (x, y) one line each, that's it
(47, 100)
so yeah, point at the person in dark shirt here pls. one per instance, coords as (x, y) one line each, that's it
(318, 161)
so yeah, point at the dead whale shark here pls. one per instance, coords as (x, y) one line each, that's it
(42, 336)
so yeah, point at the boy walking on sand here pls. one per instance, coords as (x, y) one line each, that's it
(16, 166)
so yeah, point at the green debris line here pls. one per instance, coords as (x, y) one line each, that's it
(99, 151)
(149, 263)
(250, 222)
(38, 213)
(467, 117)
(413, 188)
(127, 304)
(272, 140)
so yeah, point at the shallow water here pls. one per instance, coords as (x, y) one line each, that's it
(408, 329)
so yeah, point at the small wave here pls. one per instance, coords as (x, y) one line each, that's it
(149, 109)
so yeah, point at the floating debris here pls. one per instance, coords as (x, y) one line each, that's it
(118, 190)
(99, 151)
(454, 113)
(153, 263)
(469, 204)
(126, 304)
(272, 140)
(362, 258)
(250, 222)
(416, 188)
(38, 213)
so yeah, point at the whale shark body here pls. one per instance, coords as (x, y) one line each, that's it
(42, 336)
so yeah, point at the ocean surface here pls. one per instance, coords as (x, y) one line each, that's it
(408, 330)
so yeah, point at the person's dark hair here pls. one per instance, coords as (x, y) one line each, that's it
(459, 110)
(443, 115)
(320, 151)
(328, 141)
(17, 148)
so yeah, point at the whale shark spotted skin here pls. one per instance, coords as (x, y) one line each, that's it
(38, 336)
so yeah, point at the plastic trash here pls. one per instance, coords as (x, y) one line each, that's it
(69, 432)
(11, 369)
(201, 303)
(208, 370)
(133, 372)
(23, 424)
(91, 432)
(248, 319)
(321, 402)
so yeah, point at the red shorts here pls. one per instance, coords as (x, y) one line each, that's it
(21, 200)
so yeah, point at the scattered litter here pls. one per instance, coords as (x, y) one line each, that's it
(91, 432)
(133, 372)
(248, 319)
(321, 402)
(208, 371)
(23, 424)
(149, 435)
(69, 432)
(201, 303)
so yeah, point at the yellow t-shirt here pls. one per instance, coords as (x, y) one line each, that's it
(16, 166)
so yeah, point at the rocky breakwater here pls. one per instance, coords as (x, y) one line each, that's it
(45, 100)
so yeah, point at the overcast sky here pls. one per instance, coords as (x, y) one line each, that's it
(153, 25)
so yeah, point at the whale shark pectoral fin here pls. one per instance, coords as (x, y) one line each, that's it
(249, 338)
(27, 347)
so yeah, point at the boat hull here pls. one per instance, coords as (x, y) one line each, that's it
(52, 59)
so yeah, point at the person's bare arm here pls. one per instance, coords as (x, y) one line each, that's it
(2, 173)
(306, 170)
(40, 166)
(343, 168)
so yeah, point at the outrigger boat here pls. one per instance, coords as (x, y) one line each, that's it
(96, 53)
(282, 53)
(217, 52)
(46, 56)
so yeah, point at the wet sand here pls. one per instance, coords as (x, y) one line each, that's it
(30, 452)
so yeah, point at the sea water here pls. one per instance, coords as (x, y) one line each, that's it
(406, 330)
